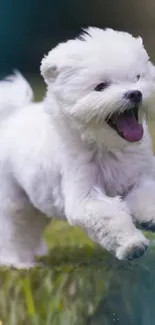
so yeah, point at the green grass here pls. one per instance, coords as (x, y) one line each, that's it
(67, 288)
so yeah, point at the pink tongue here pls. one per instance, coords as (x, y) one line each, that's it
(127, 124)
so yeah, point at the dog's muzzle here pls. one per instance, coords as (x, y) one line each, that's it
(126, 123)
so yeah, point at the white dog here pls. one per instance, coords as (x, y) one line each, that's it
(83, 154)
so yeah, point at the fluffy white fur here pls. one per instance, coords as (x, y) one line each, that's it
(60, 158)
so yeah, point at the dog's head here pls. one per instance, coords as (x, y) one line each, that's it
(104, 79)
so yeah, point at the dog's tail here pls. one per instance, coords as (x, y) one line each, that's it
(15, 92)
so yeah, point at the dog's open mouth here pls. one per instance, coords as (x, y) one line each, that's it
(126, 124)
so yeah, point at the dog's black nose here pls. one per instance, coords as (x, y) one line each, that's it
(134, 95)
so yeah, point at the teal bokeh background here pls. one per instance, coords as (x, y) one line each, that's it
(28, 29)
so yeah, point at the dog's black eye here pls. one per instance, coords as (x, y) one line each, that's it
(101, 86)
(138, 77)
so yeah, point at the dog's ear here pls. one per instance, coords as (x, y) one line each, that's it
(151, 69)
(48, 70)
(140, 40)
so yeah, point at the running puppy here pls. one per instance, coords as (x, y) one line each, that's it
(82, 154)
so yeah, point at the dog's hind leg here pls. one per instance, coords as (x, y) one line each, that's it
(21, 229)
(42, 249)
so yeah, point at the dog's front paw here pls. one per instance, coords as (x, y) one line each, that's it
(133, 249)
(141, 202)
(148, 225)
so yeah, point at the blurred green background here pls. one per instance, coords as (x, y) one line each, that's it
(78, 283)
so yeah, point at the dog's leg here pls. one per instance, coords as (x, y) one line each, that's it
(21, 228)
(106, 220)
(42, 249)
(141, 202)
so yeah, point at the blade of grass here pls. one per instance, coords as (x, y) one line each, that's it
(29, 301)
